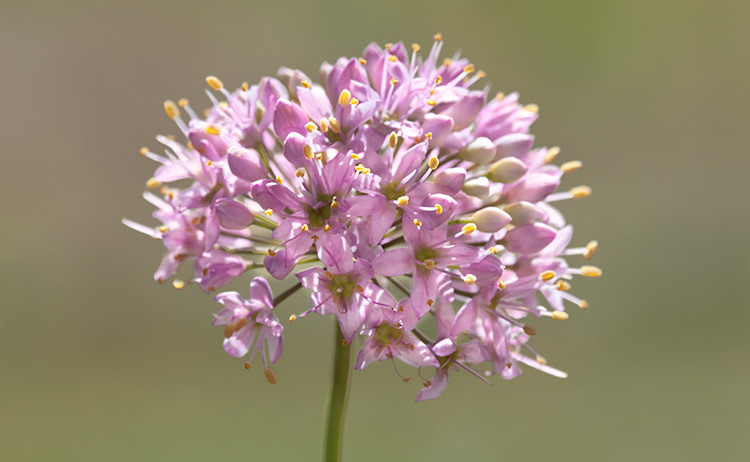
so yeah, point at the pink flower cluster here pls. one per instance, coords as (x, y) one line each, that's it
(400, 197)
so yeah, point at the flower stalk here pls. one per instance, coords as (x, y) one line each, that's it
(342, 366)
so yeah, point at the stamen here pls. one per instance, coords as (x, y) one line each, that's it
(279, 180)
(547, 275)
(431, 102)
(438, 209)
(393, 81)
(245, 86)
(271, 252)
(528, 330)
(393, 58)
(541, 360)
(551, 154)
(143, 151)
(324, 125)
(469, 69)
(182, 102)
(402, 201)
(438, 37)
(532, 108)
(299, 173)
(327, 228)
(563, 285)
(247, 365)
(430, 302)
(469, 228)
(392, 140)
(591, 271)
(579, 192)
(214, 82)
(362, 61)
(470, 279)
(583, 304)
(353, 102)
(434, 162)
(344, 97)
(308, 152)
(171, 109)
(304, 228)
(559, 315)
(310, 127)
(269, 212)
(417, 222)
(333, 123)
(270, 376)
(429, 263)
(500, 96)
(501, 285)
(213, 130)
(305, 84)
(153, 183)
(415, 47)
(571, 166)
(590, 249)
(493, 250)
(329, 275)
(178, 284)
(292, 318)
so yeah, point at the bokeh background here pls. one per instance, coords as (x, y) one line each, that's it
(97, 362)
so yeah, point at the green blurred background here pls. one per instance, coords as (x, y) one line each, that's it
(99, 363)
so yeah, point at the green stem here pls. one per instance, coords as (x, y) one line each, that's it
(342, 365)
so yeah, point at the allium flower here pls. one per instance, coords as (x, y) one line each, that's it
(391, 179)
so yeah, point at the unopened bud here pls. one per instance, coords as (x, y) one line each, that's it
(507, 170)
(478, 187)
(523, 213)
(490, 219)
(479, 151)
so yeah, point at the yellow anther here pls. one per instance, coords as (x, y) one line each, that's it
(590, 250)
(559, 315)
(501, 285)
(292, 318)
(428, 135)
(438, 209)
(438, 80)
(299, 173)
(310, 127)
(271, 252)
(541, 360)
(177, 284)
(434, 162)
(270, 376)
(438, 37)
(183, 102)
(153, 183)
(528, 330)
(362, 61)
(469, 228)
(305, 84)
(493, 250)
(579, 192)
(431, 102)
(327, 228)
(430, 302)
(481, 74)
(447, 62)
(353, 102)
(171, 109)
(417, 222)
(328, 275)
(224, 106)
(563, 285)
(334, 204)
(388, 46)
(571, 166)
(245, 86)
(551, 154)
(333, 123)
(319, 156)
(429, 263)
(356, 156)
(344, 97)
(307, 152)
(304, 228)
(583, 304)
(143, 151)
(163, 229)
(469, 69)
(402, 201)
(269, 212)
(547, 275)
(214, 82)
(470, 279)
(209, 163)
(279, 180)
(500, 96)
(213, 130)
(324, 125)
(393, 58)
(392, 139)
(415, 47)
(393, 81)
(248, 365)
(591, 271)
(531, 108)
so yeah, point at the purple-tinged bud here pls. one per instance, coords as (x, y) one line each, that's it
(452, 178)
(288, 118)
(480, 151)
(528, 239)
(490, 219)
(247, 165)
(232, 214)
(514, 145)
(292, 78)
(507, 170)
(478, 187)
(464, 111)
(523, 213)
(208, 143)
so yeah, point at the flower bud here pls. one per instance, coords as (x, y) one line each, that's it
(507, 170)
(478, 187)
(232, 214)
(524, 213)
(479, 151)
(452, 178)
(490, 219)
(513, 145)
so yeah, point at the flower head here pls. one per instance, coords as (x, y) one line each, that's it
(393, 176)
